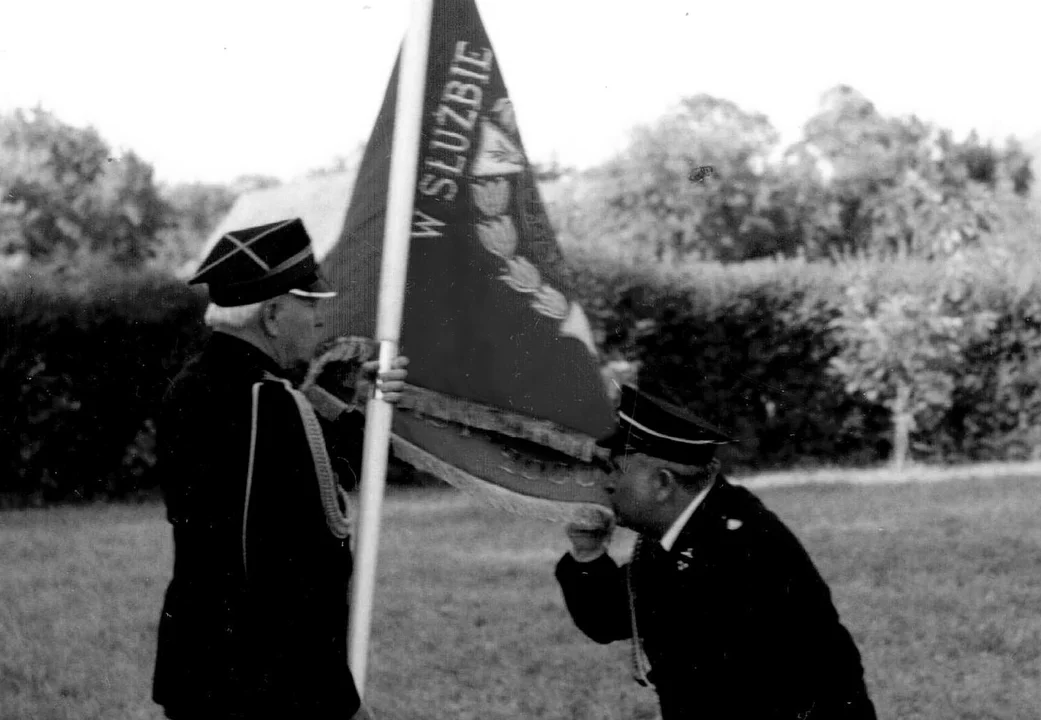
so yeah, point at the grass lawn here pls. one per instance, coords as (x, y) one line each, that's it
(939, 583)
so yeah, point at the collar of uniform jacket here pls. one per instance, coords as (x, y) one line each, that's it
(669, 538)
(720, 511)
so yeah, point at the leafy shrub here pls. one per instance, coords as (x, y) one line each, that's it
(768, 351)
(85, 360)
(86, 354)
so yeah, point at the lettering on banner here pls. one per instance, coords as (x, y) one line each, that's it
(451, 141)
(463, 93)
(447, 116)
(432, 185)
(455, 124)
(424, 226)
(481, 60)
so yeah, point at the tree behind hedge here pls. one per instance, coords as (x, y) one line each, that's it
(906, 348)
(65, 193)
(856, 184)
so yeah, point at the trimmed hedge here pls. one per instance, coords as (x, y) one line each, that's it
(85, 359)
(84, 365)
(749, 347)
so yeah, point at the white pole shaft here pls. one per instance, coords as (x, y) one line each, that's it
(408, 118)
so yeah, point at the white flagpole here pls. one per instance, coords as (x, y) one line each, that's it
(408, 118)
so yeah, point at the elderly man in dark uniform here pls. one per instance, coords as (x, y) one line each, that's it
(728, 615)
(255, 618)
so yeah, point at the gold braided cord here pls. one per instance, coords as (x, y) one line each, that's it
(335, 504)
(640, 663)
(336, 516)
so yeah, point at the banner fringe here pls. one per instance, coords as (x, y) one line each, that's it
(581, 513)
(472, 414)
(421, 401)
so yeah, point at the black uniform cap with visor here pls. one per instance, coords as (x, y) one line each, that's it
(650, 426)
(258, 263)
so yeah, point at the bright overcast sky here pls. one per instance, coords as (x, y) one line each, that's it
(213, 89)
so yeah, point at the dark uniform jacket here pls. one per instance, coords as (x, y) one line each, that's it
(254, 626)
(735, 619)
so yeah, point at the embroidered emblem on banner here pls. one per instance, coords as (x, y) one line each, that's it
(496, 154)
(497, 157)
(503, 109)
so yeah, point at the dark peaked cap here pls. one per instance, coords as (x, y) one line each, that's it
(650, 426)
(258, 263)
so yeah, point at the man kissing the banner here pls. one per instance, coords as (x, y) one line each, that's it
(728, 616)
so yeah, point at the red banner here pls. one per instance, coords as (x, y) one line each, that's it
(508, 387)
